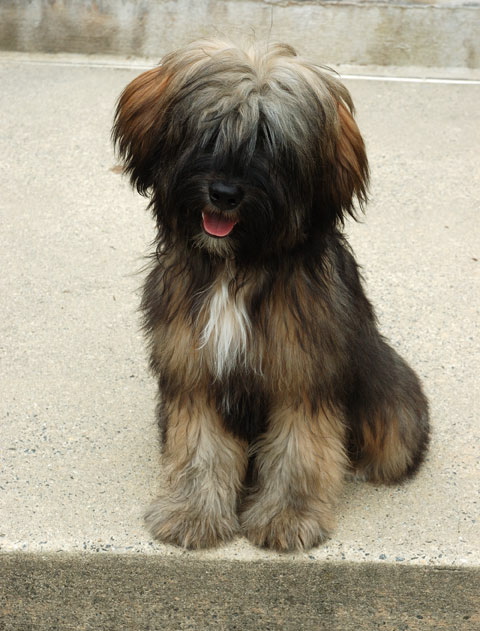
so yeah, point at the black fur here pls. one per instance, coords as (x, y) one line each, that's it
(281, 130)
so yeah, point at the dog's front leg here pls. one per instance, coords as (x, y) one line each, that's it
(300, 464)
(204, 468)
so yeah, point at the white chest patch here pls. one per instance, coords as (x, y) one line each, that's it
(226, 331)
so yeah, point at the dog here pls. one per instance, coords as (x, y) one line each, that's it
(274, 380)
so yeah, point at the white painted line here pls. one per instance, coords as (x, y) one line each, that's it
(63, 62)
(409, 79)
(146, 64)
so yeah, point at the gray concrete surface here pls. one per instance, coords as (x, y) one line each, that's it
(98, 593)
(78, 442)
(434, 33)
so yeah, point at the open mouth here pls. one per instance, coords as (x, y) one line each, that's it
(217, 225)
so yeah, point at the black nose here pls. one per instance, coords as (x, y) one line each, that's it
(224, 195)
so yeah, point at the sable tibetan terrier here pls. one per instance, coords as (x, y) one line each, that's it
(274, 380)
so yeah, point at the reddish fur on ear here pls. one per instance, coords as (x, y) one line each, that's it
(352, 163)
(137, 118)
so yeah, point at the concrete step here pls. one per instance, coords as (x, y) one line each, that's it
(437, 33)
(79, 453)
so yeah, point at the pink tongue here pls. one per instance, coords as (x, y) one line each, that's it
(217, 226)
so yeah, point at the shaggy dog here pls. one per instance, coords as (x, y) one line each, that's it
(274, 380)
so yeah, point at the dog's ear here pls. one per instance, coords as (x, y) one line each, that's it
(352, 173)
(138, 119)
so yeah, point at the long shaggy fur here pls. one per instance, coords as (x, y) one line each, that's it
(274, 380)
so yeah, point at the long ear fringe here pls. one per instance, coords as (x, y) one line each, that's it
(138, 116)
(349, 177)
(352, 175)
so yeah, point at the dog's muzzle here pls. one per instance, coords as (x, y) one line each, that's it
(224, 197)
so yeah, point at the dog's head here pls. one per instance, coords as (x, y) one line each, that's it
(243, 152)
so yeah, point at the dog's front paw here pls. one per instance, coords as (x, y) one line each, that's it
(285, 530)
(187, 526)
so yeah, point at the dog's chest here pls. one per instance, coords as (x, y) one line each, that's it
(227, 330)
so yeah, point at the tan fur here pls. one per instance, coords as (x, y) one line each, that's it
(190, 349)
(204, 467)
(288, 365)
(140, 105)
(351, 158)
(264, 345)
(387, 449)
(301, 467)
(279, 354)
(302, 454)
(176, 345)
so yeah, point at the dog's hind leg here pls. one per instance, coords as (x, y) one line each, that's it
(299, 465)
(388, 418)
(204, 467)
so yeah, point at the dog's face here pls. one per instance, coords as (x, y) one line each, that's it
(244, 153)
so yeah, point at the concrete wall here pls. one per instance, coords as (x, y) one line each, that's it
(366, 32)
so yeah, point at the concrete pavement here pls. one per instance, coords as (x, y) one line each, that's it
(78, 442)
